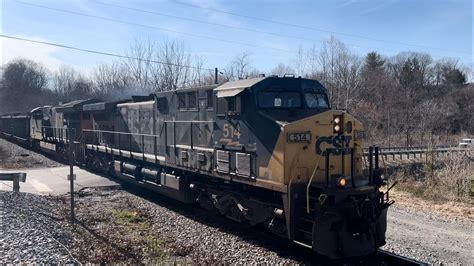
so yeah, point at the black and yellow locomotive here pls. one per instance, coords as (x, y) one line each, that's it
(267, 151)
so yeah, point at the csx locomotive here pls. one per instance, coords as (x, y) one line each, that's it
(264, 151)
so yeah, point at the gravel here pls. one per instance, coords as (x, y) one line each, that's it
(13, 156)
(134, 226)
(35, 229)
(429, 238)
(29, 233)
(186, 234)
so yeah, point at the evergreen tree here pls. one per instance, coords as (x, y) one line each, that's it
(374, 62)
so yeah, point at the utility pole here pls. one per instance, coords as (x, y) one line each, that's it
(216, 72)
(71, 175)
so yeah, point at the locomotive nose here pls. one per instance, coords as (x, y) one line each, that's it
(308, 140)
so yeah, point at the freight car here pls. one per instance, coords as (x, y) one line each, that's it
(16, 127)
(264, 151)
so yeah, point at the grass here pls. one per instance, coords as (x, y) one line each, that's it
(137, 226)
(130, 217)
(155, 250)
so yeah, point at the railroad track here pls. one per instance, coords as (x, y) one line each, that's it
(389, 258)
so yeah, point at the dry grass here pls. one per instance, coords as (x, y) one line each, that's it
(448, 179)
(453, 210)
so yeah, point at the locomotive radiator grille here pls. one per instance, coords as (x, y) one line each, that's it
(223, 162)
(242, 164)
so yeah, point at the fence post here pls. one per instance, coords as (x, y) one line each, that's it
(71, 171)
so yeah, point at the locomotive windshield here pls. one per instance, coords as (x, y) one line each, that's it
(316, 100)
(276, 99)
(289, 100)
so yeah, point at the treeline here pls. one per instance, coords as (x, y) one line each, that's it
(405, 100)
(408, 99)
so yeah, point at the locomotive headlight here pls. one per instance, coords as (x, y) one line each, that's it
(341, 181)
(338, 124)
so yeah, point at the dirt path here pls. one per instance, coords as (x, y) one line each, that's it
(429, 238)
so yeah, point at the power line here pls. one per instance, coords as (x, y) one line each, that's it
(202, 21)
(101, 53)
(149, 26)
(314, 29)
(167, 30)
(221, 25)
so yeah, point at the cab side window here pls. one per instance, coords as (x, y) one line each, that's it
(210, 99)
(187, 100)
(192, 101)
(230, 106)
(181, 101)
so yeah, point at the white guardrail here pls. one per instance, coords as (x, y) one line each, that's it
(417, 152)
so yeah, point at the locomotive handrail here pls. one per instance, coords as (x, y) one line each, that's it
(58, 132)
(188, 121)
(130, 135)
(54, 127)
(309, 183)
(118, 132)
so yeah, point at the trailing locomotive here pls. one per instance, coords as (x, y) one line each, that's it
(265, 151)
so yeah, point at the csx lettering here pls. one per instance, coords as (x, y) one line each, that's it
(337, 142)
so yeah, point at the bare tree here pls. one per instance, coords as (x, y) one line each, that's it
(174, 73)
(282, 69)
(162, 67)
(70, 84)
(141, 70)
(240, 68)
(111, 80)
(300, 61)
(339, 71)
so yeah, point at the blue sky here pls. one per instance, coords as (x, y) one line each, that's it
(443, 28)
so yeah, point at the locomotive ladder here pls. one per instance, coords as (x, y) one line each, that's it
(304, 225)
